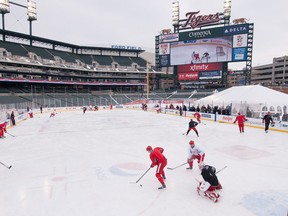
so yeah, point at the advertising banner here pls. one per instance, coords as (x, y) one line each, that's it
(164, 49)
(240, 40)
(168, 38)
(210, 75)
(164, 60)
(188, 76)
(206, 33)
(236, 29)
(239, 54)
(199, 67)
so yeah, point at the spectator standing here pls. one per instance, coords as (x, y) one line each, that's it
(12, 117)
(180, 111)
(184, 109)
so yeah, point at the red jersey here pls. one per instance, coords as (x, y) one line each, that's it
(3, 127)
(156, 156)
(197, 115)
(240, 119)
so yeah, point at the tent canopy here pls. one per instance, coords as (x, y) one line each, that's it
(250, 94)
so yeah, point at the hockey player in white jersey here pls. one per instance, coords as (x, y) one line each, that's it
(194, 152)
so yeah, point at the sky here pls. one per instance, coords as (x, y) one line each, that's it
(136, 23)
(88, 164)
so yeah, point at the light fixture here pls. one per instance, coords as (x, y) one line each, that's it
(4, 6)
(175, 13)
(31, 10)
(227, 8)
(227, 12)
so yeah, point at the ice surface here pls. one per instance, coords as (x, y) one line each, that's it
(77, 164)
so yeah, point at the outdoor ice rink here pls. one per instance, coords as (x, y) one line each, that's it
(77, 164)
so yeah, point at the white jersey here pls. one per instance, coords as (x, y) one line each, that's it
(194, 151)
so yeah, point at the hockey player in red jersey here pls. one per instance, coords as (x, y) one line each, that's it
(194, 152)
(192, 126)
(3, 129)
(240, 118)
(197, 115)
(210, 184)
(53, 114)
(159, 160)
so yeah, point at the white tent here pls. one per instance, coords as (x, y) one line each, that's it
(265, 99)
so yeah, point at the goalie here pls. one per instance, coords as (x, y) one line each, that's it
(208, 187)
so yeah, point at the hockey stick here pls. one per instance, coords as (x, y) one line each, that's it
(176, 166)
(10, 134)
(221, 169)
(142, 176)
(8, 167)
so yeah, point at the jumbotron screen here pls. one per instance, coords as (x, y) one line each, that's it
(211, 45)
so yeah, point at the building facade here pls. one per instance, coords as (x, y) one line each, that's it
(275, 74)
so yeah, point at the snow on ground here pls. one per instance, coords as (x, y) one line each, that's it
(79, 164)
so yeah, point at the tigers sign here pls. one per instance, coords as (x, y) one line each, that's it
(194, 20)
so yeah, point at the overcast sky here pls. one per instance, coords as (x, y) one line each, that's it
(136, 23)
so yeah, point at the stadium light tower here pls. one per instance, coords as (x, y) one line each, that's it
(227, 11)
(175, 23)
(32, 13)
(4, 8)
(175, 15)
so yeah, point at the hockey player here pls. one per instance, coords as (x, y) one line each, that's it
(210, 184)
(30, 113)
(240, 118)
(53, 114)
(158, 109)
(197, 115)
(3, 129)
(194, 152)
(84, 109)
(157, 158)
(267, 119)
(192, 126)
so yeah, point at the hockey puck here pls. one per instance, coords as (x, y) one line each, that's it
(140, 185)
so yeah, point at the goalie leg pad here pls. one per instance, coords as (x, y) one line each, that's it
(213, 196)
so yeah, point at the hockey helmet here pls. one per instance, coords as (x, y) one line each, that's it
(191, 143)
(201, 166)
(148, 148)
